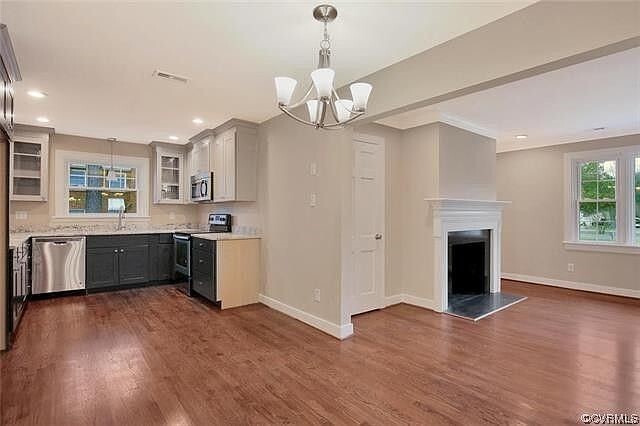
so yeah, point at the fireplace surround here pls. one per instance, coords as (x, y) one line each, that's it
(455, 215)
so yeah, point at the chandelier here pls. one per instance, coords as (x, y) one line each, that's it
(342, 110)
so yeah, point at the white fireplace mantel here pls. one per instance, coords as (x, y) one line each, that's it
(450, 215)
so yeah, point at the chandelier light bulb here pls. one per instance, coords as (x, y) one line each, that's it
(312, 106)
(343, 109)
(323, 81)
(284, 89)
(360, 93)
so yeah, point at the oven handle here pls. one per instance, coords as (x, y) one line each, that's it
(181, 237)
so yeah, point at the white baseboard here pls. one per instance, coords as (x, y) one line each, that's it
(338, 331)
(410, 300)
(615, 291)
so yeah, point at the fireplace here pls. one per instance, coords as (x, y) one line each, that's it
(469, 257)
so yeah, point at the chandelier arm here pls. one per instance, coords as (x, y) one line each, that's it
(304, 98)
(343, 123)
(300, 120)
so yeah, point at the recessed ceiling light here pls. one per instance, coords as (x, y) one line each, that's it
(521, 136)
(36, 94)
(42, 119)
(174, 138)
(197, 120)
(597, 129)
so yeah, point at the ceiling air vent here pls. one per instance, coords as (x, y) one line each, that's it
(169, 76)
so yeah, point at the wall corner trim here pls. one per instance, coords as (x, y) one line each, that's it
(410, 300)
(338, 331)
(572, 285)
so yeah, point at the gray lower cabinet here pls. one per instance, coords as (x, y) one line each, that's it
(203, 268)
(133, 265)
(114, 261)
(102, 267)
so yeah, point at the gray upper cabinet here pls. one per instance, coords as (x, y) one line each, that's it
(29, 163)
(170, 180)
(235, 163)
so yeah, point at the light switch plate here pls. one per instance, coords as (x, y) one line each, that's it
(313, 199)
(172, 216)
(21, 215)
(313, 169)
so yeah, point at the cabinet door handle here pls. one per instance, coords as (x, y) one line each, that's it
(201, 261)
(121, 250)
(115, 251)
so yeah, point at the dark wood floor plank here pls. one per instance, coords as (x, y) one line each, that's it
(153, 356)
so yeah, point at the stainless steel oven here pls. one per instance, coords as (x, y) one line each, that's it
(202, 187)
(182, 251)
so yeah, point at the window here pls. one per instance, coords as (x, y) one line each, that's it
(597, 201)
(636, 224)
(92, 192)
(603, 204)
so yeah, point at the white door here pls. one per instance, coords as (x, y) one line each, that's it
(369, 222)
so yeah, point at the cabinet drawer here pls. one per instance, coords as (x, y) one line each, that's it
(162, 238)
(203, 285)
(203, 262)
(204, 245)
(103, 241)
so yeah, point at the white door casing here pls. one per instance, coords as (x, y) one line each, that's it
(368, 195)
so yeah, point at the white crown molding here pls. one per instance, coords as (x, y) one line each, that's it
(573, 285)
(338, 331)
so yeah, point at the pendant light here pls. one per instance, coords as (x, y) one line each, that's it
(111, 175)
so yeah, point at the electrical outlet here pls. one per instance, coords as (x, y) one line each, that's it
(172, 216)
(21, 215)
(316, 295)
(570, 267)
(313, 169)
(313, 199)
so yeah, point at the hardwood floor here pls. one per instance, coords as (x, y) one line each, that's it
(153, 356)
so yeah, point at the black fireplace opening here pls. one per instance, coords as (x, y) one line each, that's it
(469, 262)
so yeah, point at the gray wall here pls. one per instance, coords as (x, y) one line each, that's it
(533, 229)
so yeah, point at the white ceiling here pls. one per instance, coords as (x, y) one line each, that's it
(95, 59)
(557, 107)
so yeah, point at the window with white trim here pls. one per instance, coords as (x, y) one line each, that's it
(603, 198)
(92, 190)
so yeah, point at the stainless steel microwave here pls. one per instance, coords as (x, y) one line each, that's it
(202, 187)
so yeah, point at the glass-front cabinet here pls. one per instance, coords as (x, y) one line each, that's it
(29, 165)
(169, 177)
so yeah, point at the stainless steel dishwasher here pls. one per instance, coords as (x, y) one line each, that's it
(58, 264)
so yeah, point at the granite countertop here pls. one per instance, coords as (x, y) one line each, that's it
(18, 238)
(226, 236)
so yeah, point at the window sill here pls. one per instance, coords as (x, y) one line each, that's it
(601, 247)
(98, 219)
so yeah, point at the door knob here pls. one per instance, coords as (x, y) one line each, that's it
(378, 236)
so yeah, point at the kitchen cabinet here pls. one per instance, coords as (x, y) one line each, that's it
(235, 160)
(199, 152)
(114, 261)
(162, 258)
(9, 74)
(227, 271)
(169, 177)
(19, 285)
(29, 163)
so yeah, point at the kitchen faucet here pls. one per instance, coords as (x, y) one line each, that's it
(120, 218)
